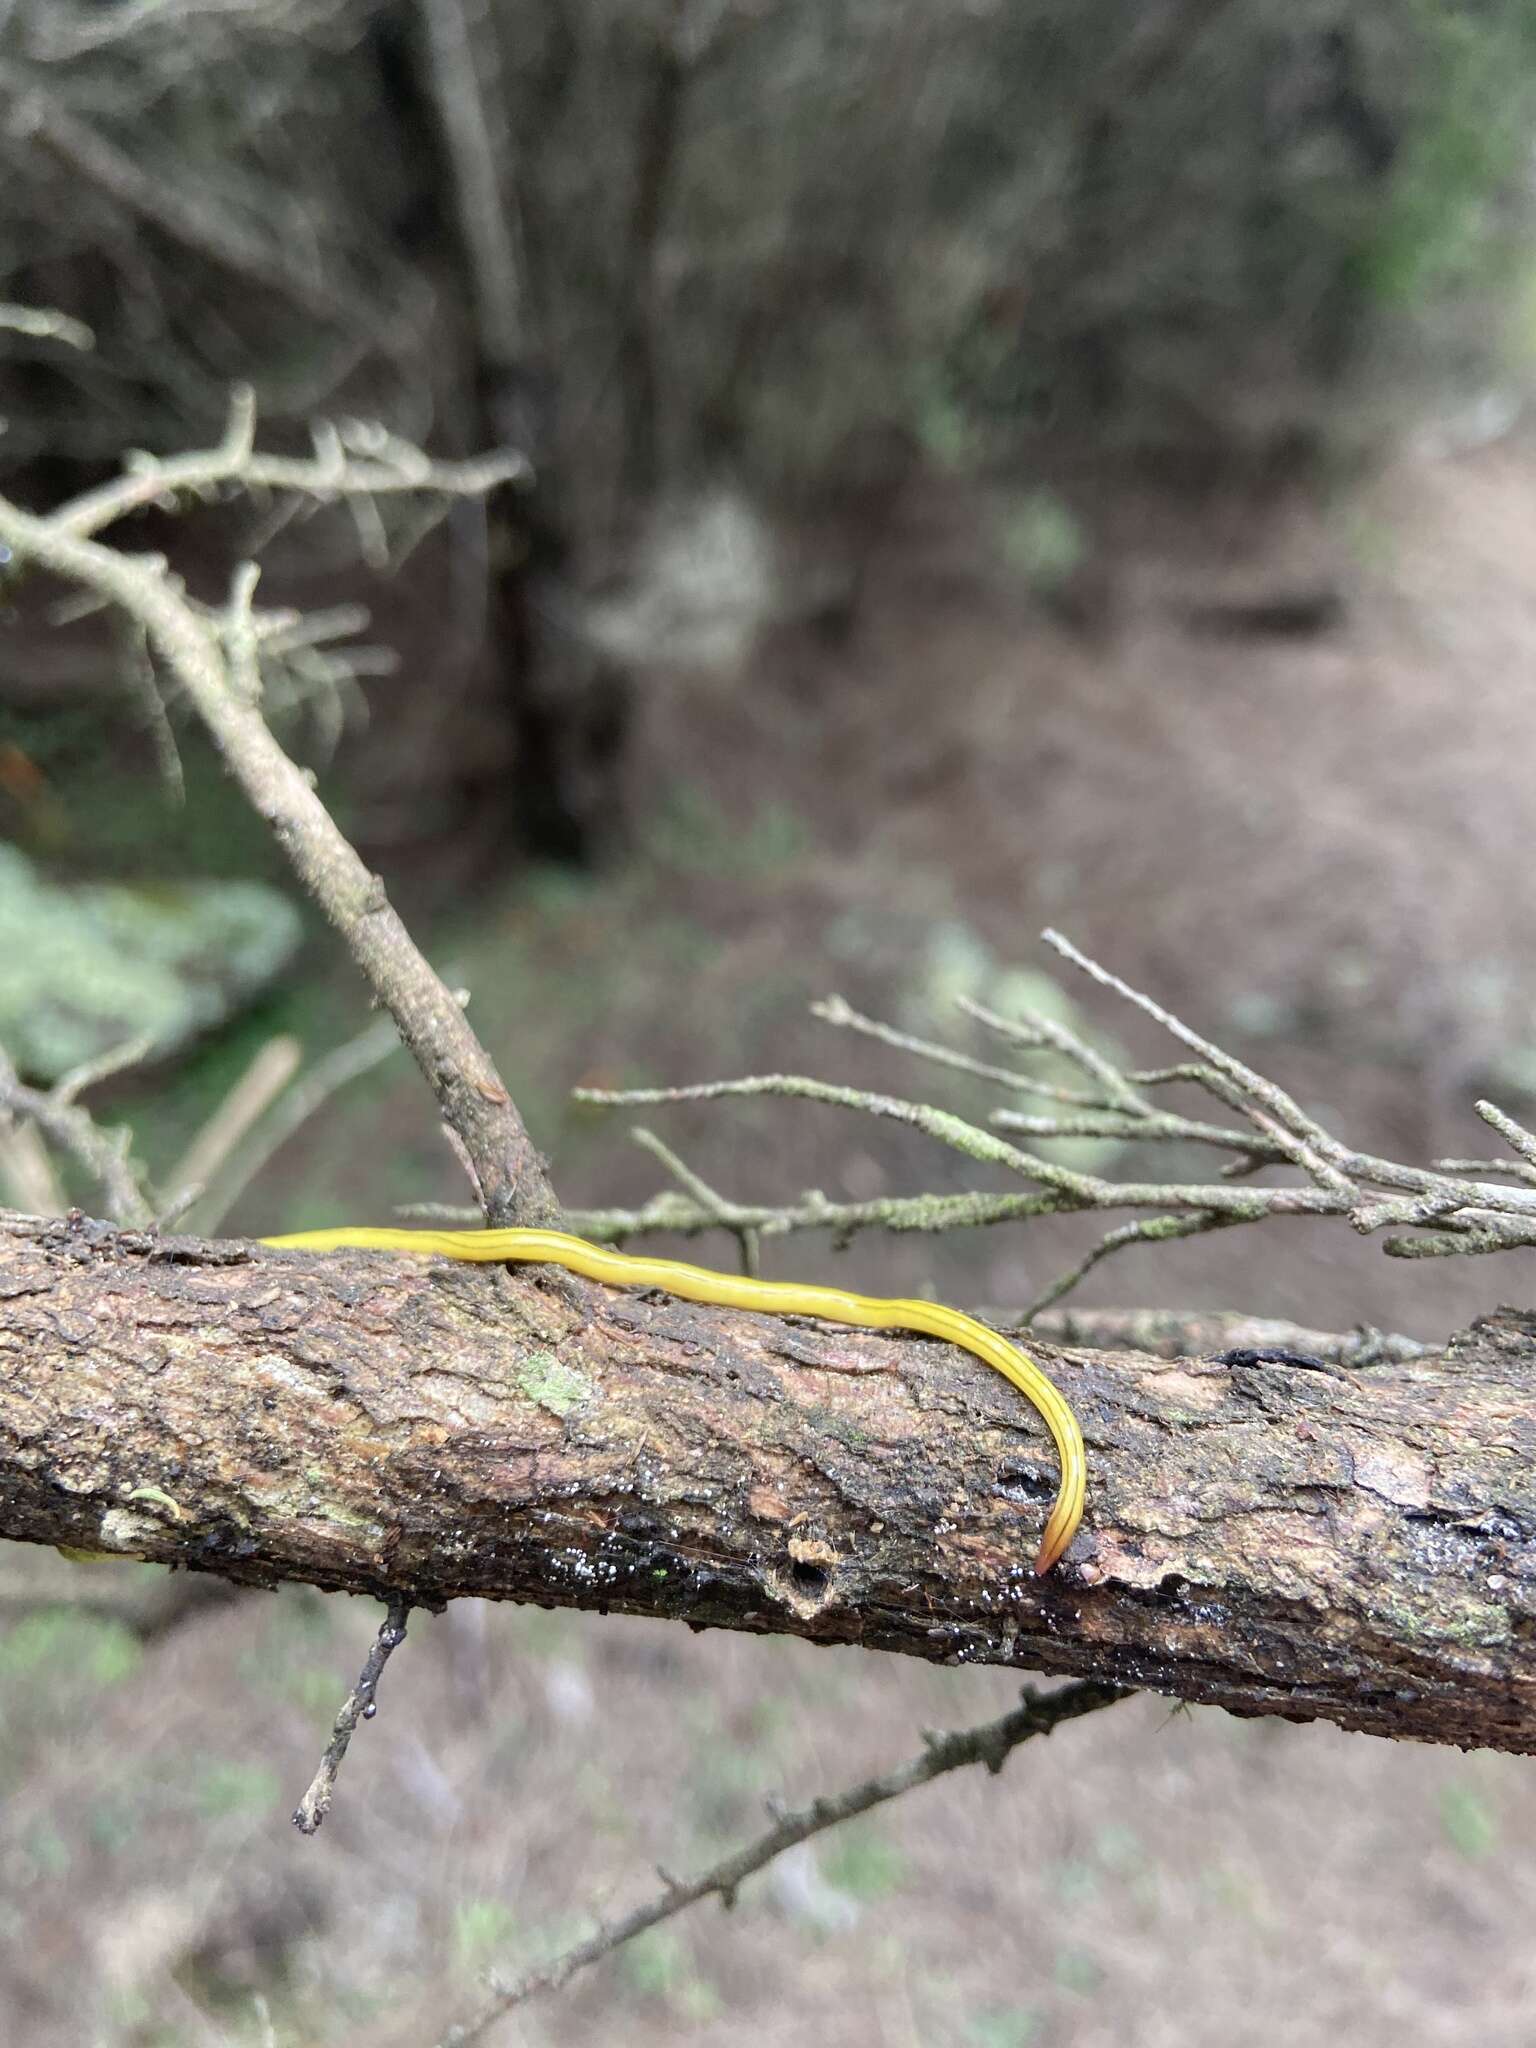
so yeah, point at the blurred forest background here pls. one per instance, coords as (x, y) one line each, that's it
(996, 464)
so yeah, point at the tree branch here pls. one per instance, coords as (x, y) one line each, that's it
(1265, 1531)
(1455, 1213)
(360, 462)
(359, 1705)
(46, 323)
(105, 1155)
(464, 73)
(204, 653)
(991, 1743)
(1194, 1333)
(214, 234)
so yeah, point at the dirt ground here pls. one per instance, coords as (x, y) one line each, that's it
(1315, 849)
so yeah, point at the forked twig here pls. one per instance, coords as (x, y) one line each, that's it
(1434, 1212)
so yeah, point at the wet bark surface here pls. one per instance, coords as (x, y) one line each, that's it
(1265, 1531)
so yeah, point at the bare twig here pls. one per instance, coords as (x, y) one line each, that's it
(1202, 1333)
(1516, 1136)
(1074, 1190)
(991, 1744)
(674, 1213)
(334, 1071)
(359, 1705)
(268, 1074)
(1153, 1128)
(1047, 1033)
(44, 323)
(746, 1235)
(1288, 1112)
(471, 112)
(1148, 1230)
(935, 1123)
(1456, 1209)
(509, 1174)
(835, 1010)
(182, 211)
(105, 1155)
(117, 1059)
(389, 468)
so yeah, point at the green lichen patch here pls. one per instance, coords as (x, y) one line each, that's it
(557, 1387)
(90, 966)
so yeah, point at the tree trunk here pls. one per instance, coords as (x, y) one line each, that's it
(1265, 1533)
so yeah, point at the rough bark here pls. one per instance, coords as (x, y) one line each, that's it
(1275, 1537)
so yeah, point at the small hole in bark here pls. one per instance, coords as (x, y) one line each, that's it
(808, 1578)
(1171, 1584)
(1025, 1482)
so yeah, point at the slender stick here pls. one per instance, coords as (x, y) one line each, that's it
(105, 1155)
(508, 1171)
(992, 1743)
(359, 1705)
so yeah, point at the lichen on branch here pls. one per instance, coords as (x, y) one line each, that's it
(1438, 1211)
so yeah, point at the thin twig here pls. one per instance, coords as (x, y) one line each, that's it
(252, 1095)
(359, 1705)
(991, 1744)
(1146, 1230)
(346, 1063)
(1076, 1190)
(1512, 1167)
(835, 1010)
(1464, 1241)
(674, 1213)
(1152, 1128)
(117, 1059)
(1046, 1033)
(46, 323)
(745, 1234)
(105, 1155)
(1271, 1110)
(510, 1179)
(1457, 1213)
(1202, 1333)
(935, 1123)
(1516, 1136)
(329, 475)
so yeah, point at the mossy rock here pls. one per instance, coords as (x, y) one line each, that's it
(88, 966)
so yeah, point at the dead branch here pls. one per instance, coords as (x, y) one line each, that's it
(215, 657)
(359, 461)
(464, 73)
(359, 1705)
(105, 1155)
(992, 1743)
(46, 323)
(1270, 1534)
(1450, 1212)
(187, 217)
(1196, 1333)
